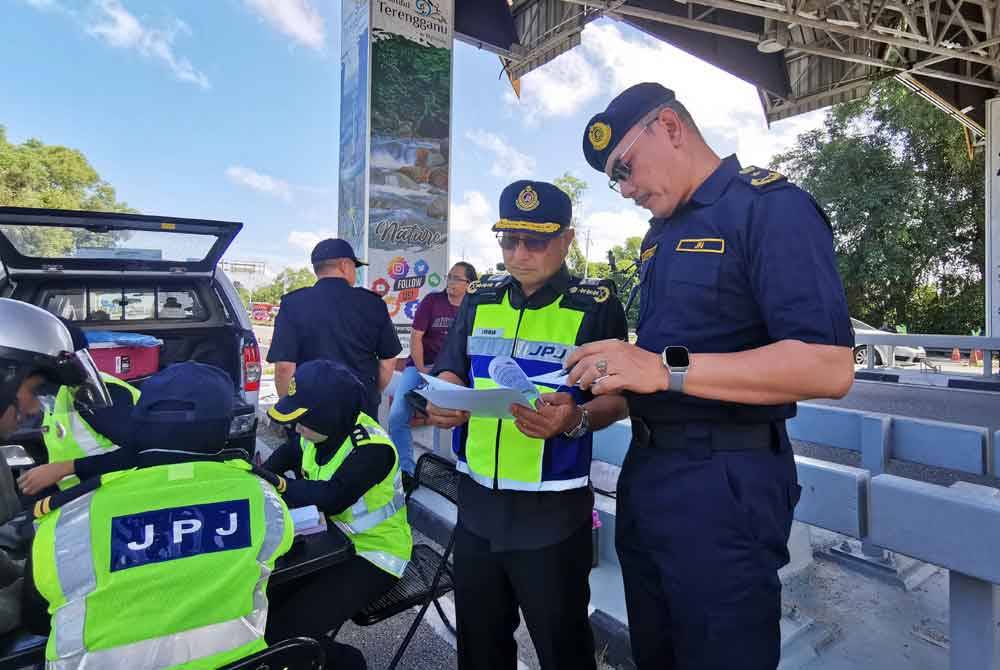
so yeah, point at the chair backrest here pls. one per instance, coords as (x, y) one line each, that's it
(297, 653)
(439, 475)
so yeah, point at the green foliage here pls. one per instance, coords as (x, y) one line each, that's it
(907, 207)
(244, 293)
(411, 88)
(288, 280)
(33, 174)
(575, 189)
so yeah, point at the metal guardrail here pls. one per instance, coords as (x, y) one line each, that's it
(988, 345)
(956, 527)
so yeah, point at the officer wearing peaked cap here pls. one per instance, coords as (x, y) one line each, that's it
(524, 508)
(742, 314)
(187, 527)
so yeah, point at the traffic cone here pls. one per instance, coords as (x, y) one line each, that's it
(956, 355)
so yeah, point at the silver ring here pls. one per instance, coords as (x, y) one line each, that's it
(602, 367)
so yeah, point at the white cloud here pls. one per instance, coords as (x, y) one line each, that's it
(119, 28)
(609, 228)
(557, 89)
(306, 240)
(470, 235)
(508, 162)
(296, 18)
(263, 183)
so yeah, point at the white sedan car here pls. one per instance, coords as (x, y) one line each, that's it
(902, 354)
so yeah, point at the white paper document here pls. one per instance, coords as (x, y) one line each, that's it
(514, 389)
(307, 520)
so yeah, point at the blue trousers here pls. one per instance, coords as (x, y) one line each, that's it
(399, 418)
(701, 534)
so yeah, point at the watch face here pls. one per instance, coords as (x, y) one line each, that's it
(677, 357)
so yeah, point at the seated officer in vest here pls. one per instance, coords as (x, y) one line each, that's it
(524, 511)
(347, 466)
(79, 444)
(165, 565)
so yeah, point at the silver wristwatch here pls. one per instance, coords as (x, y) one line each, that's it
(582, 428)
(676, 360)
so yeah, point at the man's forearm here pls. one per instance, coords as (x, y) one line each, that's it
(283, 373)
(385, 370)
(605, 410)
(417, 349)
(786, 371)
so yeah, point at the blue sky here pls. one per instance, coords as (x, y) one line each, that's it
(229, 110)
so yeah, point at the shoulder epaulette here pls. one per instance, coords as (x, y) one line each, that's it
(763, 180)
(588, 294)
(362, 434)
(489, 288)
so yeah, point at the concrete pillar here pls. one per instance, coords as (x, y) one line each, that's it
(395, 132)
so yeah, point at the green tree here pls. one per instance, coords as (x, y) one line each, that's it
(288, 280)
(244, 293)
(907, 208)
(34, 174)
(575, 189)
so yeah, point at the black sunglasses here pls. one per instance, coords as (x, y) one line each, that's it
(620, 170)
(533, 244)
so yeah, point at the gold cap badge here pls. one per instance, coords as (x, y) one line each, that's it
(291, 387)
(599, 135)
(527, 200)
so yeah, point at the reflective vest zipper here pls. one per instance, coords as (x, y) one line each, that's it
(496, 457)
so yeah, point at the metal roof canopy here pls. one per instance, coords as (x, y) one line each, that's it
(801, 54)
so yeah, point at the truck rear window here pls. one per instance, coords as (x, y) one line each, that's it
(109, 304)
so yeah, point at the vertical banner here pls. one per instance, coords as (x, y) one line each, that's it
(410, 138)
(354, 105)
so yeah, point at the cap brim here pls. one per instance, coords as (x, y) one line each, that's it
(286, 410)
(358, 262)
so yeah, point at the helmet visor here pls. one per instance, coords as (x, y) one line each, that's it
(90, 393)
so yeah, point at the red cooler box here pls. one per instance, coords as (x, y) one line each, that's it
(126, 361)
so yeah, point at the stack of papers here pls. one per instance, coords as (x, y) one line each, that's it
(513, 388)
(308, 520)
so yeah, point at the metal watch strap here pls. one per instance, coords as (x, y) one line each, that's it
(676, 381)
(581, 428)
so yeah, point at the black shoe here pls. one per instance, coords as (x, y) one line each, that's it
(409, 483)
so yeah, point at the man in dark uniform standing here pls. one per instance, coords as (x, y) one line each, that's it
(524, 509)
(742, 314)
(336, 321)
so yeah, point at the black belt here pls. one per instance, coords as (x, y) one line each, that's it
(717, 437)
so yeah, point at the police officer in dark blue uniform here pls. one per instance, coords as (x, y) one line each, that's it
(742, 314)
(334, 320)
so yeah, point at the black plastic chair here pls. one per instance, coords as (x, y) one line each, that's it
(297, 653)
(427, 576)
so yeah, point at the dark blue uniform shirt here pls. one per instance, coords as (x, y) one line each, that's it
(746, 262)
(336, 321)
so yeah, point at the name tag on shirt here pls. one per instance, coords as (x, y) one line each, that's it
(707, 245)
(179, 532)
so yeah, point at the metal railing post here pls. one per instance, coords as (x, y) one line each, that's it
(972, 610)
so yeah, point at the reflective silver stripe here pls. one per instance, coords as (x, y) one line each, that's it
(171, 650)
(388, 562)
(83, 435)
(375, 517)
(480, 345)
(360, 508)
(549, 352)
(274, 523)
(514, 485)
(75, 568)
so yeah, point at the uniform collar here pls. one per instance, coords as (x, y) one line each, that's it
(546, 295)
(330, 281)
(712, 188)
